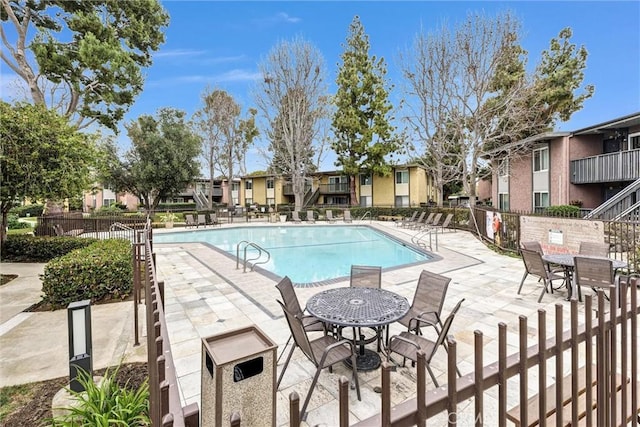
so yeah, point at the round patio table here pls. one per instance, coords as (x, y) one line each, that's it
(359, 307)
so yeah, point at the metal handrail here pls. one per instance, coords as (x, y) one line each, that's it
(365, 215)
(119, 225)
(244, 261)
(418, 238)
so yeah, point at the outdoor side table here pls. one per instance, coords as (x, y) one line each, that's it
(359, 307)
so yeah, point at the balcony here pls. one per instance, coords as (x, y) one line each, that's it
(287, 189)
(336, 188)
(612, 167)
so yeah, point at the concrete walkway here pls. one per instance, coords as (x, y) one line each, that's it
(34, 345)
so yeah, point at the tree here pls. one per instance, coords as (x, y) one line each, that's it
(364, 136)
(226, 137)
(162, 160)
(42, 156)
(89, 54)
(472, 87)
(292, 98)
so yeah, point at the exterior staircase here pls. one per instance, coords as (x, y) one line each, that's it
(624, 206)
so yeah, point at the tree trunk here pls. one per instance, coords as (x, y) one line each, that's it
(352, 191)
(297, 182)
(210, 200)
(5, 223)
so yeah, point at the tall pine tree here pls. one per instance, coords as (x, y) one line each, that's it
(364, 135)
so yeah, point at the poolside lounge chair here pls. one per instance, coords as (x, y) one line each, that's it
(202, 220)
(445, 223)
(415, 222)
(404, 222)
(57, 228)
(330, 217)
(535, 266)
(429, 223)
(346, 216)
(323, 352)
(407, 344)
(310, 218)
(296, 217)
(190, 220)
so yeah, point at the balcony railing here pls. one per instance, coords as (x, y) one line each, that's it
(336, 188)
(287, 189)
(612, 167)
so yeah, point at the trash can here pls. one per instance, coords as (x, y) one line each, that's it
(238, 375)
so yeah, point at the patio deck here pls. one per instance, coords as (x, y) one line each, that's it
(206, 295)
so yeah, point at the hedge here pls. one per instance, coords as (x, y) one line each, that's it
(24, 248)
(32, 210)
(99, 272)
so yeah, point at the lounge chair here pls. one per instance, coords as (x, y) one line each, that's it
(57, 228)
(444, 224)
(296, 217)
(202, 220)
(310, 218)
(404, 222)
(213, 219)
(190, 220)
(429, 224)
(415, 222)
(407, 344)
(330, 217)
(346, 216)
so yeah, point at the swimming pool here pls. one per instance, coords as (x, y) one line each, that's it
(309, 254)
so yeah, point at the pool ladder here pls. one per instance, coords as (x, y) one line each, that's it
(248, 244)
(366, 214)
(418, 239)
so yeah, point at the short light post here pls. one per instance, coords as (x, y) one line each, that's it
(79, 324)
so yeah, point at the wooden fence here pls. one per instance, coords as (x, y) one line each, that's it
(603, 348)
(165, 408)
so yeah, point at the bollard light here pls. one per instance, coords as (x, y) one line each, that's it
(79, 325)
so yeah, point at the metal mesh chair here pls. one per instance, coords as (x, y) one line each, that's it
(594, 248)
(330, 218)
(323, 352)
(310, 217)
(427, 303)
(310, 323)
(346, 216)
(404, 222)
(534, 265)
(407, 344)
(593, 272)
(365, 276)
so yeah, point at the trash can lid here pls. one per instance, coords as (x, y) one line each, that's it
(237, 344)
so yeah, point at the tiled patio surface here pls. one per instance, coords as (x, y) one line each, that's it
(206, 295)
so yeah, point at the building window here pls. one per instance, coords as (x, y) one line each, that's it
(248, 184)
(541, 159)
(402, 201)
(503, 202)
(365, 201)
(365, 179)
(235, 186)
(108, 202)
(540, 200)
(248, 201)
(402, 177)
(337, 200)
(634, 141)
(270, 182)
(271, 202)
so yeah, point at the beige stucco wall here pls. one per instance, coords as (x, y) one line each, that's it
(417, 186)
(260, 190)
(560, 235)
(383, 190)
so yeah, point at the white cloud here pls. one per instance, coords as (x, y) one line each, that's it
(285, 17)
(278, 18)
(172, 53)
(236, 75)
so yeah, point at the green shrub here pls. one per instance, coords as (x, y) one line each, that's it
(14, 224)
(563, 210)
(32, 210)
(99, 272)
(106, 404)
(176, 206)
(23, 248)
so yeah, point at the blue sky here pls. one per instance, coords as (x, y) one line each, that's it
(220, 43)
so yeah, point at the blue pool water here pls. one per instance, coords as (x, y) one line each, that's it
(308, 254)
